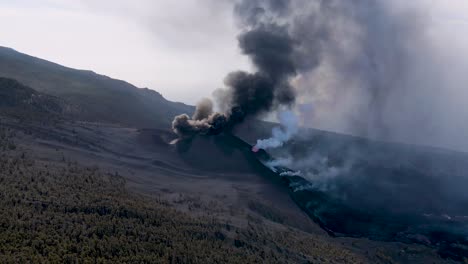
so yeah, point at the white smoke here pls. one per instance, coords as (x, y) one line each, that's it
(291, 173)
(289, 126)
(316, 168)
(280, 162)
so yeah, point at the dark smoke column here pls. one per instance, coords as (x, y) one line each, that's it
(269, 46)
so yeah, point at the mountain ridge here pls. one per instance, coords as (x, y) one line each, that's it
(103, 98)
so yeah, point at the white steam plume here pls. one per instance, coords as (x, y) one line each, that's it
(289, 126)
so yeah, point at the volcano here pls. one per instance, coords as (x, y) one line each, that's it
(235, 198)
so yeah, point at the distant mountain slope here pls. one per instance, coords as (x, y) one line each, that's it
(101, 98)
(14, 94)
(24, 102)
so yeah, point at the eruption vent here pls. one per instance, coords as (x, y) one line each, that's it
(270, 47)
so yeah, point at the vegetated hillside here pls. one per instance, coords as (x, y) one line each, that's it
(101, 98)
(63, 211)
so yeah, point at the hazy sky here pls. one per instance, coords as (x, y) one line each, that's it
(175, 47)
(178, 48)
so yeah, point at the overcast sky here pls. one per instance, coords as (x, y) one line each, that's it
(178, 48)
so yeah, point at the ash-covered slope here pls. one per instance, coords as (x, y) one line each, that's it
(100, 98)
(223, 152)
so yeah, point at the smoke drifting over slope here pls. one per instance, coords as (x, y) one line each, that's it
(378, 69)
(279, 135)
(364, 67)
(381, 69)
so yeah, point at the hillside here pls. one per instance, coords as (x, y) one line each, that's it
(101, 98)
(24, 102)
(61, 211)
(73, 189)
(110, 194)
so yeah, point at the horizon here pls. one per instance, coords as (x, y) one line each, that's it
(273, 119)
(158, 51)
(184, 51)
(141, 44)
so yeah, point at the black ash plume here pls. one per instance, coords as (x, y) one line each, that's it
(267, 42)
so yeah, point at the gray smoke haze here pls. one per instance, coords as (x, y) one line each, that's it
(378, 69)
(289, 127)
(373, 68)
